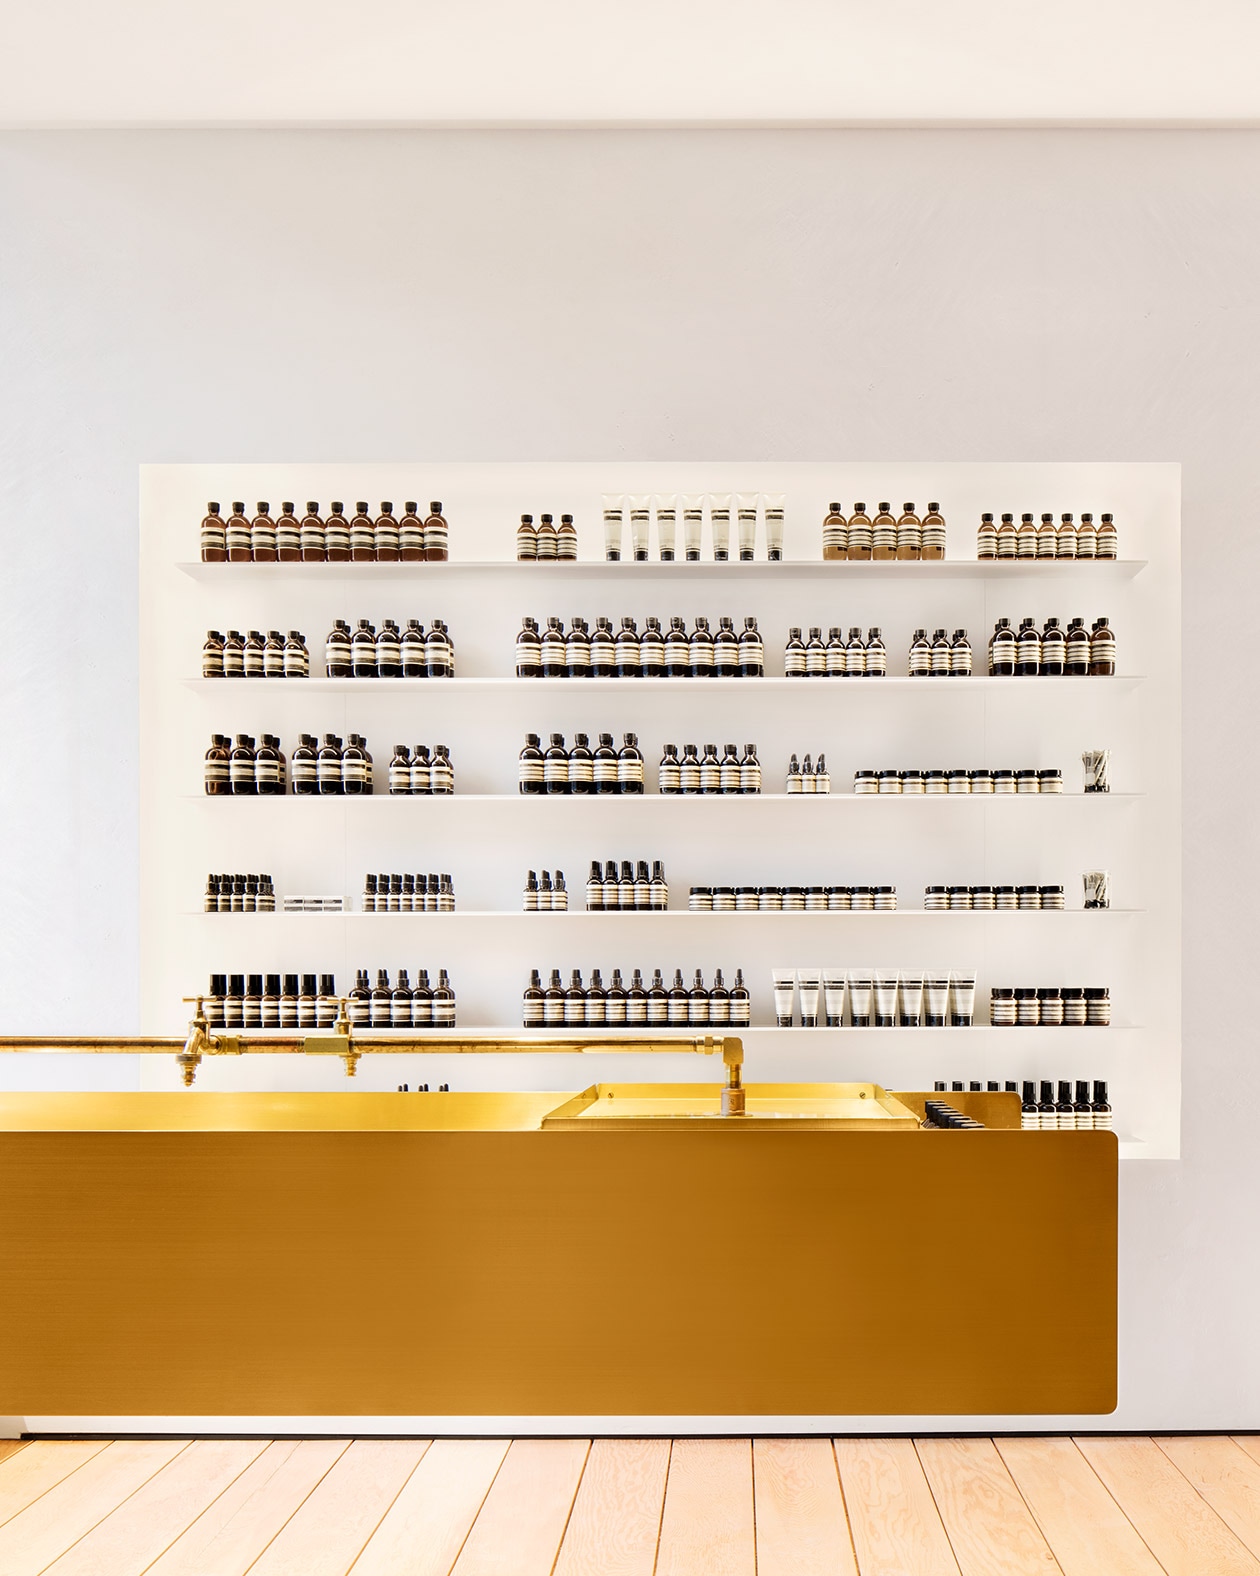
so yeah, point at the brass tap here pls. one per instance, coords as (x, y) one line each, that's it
(198, 1042)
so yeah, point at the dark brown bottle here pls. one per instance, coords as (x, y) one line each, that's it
(387, 535)
(239, 541)
(362, 535)
(269, 773)
(678, 1001)
(336, 535)
(312, 534)
(288, 536)
(241, 766)
(216, 769)
(262, 536)
(436, 535)
(410, 535)
(213, 536)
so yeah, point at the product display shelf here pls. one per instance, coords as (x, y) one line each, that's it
(640, 916)
(1120, 683)
(537, 575)
(665, 798)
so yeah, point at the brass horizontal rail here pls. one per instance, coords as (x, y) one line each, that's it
(448, 1044)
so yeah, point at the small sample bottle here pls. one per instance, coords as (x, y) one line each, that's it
(1047, 537)
(909, 535)
(253, 655)
(1107, 542)
(933, 534)
(835, 534)
(920, 659)
(441, 771)
(1065, 538)
(526, 553)
(860, 534)
(1007, 538)
(212, 655)
(546, 542)
(566, 540)
(213, 536)
(884, 535)
(1026, 540)
(1086, 538)
(986, 538)
(436, 535)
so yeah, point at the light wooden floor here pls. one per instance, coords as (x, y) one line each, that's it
(690, 1507)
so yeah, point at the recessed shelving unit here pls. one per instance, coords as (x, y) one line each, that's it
(489, 944)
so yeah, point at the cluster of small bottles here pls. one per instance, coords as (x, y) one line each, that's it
(404, 1006)
(545, 894)
(808, 777)
(939, 898)
(239, 894)
(602, 653)
(1041, 1112)
(419, 771)
(792, 899)
(640, 510)
(631, 890)
(387, 539)
(1029, 539)
(942, 657)
(581, 769)
(408, 894)
(886, 537)
(984, 779)
(1027, 1006)
(885, 998)
(939, 1113)
(391, 653)
(253, 656)
(1052, 652)
(544, 542)
(617, 1003)
(256, 1001)
(838, 659)
(696, 773)
(245, 767)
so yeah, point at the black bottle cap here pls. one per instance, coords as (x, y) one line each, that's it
(236, 984)
(313, 508)
(335, 506)
(255, 985)
(327, 985)
(859, 508)
(557, 740)
(290, 984)
(933, 507)
(308, 984)
(218, 984)
(435, 508)
(410, 506)
(212, 508)
(387, 508)
(239, 507)
(1100, 1091)
(907, 508)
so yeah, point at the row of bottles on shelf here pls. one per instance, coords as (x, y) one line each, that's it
(959, 780)
(1009, 899)
(879, 998)
(401, 893)
(1041, 1112)
(1029, 1006)
(596, 1004)
(333, 767)
(639, 508)
(292, 1001)
(605, 769)
(840, 658)
(1052, 652)
(315, 539)
(792, 899)
(808, 776)
(1030, 539)
(239, 894)
(885, 538)
(630, 889)
(255, 655)
(602, 653)
(391, 652)
(545, 542)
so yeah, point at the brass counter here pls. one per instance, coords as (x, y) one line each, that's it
(204, 1254)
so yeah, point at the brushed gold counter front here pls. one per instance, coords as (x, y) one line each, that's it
(413, 1255)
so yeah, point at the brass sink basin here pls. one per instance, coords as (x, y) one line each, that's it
(769, 1107)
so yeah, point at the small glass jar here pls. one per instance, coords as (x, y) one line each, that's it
(885, 899)
(816, 899)
(935, 780)
(982, 897)
(794, 900)
(863, 898)
(700, 900)
(936, 899)
(838, 900)
(1052, 897)
(770, 899)
(1029, 897)
(1003, 780)
(1050, 1005)
(1005, 898)
(1027, 1013)
(746, 900)
(865, 782)
(1026, 780)
(889, 782)
(1002, 1007)
(1097, 1006)
(912, 782)
(957, 782)
(959, 897)
(723, 900)
(1050, 780)
(981, 780)
(1073, 999)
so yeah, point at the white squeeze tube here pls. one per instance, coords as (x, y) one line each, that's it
(963, 987)
(833, 996)
(746, 506)
(640, 523)
(809, 981)
(613, 503)
(666, 525)
(772, 508)
(720, 525)
(784, 990)
(860, 998)
(885, 1001)
(936, 1002)
(693, 520)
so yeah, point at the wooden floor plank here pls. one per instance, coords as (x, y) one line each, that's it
(616, 1520)
(144, 1526)
(896, 1528)
(426, 1526)
(1248, 1442)
(801, 1527)
(1227, 1477)
(10, 1447)
(1087, 1531)
(522, 1522)
(229, 1536)
(330, 1529)
(1181, 1530)
(33, 1539)
(707, 1528)
(38, 1468)
(990, 1529)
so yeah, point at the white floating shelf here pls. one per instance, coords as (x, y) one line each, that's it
(665, 799)
(435, 1037)
(1119, 684)
(1099, 571)
(639, 915)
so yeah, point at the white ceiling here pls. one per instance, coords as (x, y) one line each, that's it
(178, 62)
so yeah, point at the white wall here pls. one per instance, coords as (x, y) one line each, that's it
(964, 295)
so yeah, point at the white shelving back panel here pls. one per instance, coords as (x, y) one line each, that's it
(488, 843)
